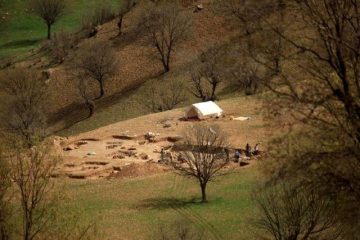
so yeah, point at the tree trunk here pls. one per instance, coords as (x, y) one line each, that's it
(102, 91)
(91, 106)
(27, 231)
(166, 66)
(203, 192)
(120, 25)
(49, 31)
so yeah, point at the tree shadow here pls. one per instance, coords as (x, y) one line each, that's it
(20, 43)
(167, 203)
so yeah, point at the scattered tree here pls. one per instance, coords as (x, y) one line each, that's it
(125, 8)
(247, 77)
(5, 210)
(207, 77)
(60, 45)
(25, 100)
(165, 96)
(50, 11)
(31, 173)
(97, 61)
(290, 212)
(166, 27)
(205, 157)
(179, 230)
(315, 82)
(83, 87)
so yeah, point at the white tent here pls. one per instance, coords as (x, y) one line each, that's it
(204, 110)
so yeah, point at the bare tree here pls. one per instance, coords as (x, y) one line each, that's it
(166, 27)
(84, 91)
(25, 100)
(125, 8)
(31, 173)
(247, 77)
(5, 210)
(60, 45)
(207, 77)
(290, 212)
(179, 230)
(50, 11)
(97, 61)
(315, 82)
(205, 156)
(165, 96)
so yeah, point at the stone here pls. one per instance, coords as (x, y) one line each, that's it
(142, 142)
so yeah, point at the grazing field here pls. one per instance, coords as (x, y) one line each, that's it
(136, 208)
(24, 31)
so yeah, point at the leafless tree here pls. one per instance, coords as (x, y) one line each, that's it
(166, 27)
(96, 60)
(5, 210)
(84, 91)
(311, 49)
(290, 212)
(125, 7)
(49, 10)
(25, 101)
(31, 173)
(179, 230)
(247, 77)
(165, 96)
(205, 157)
(207, 77)
(60, 45)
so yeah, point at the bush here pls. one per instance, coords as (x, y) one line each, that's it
(101, 14)
(165, 96)
(60, 45)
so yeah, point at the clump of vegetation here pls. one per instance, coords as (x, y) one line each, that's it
(165, 96)
(60, 45)
(101, 13)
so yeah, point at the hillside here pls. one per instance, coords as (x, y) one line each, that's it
(22, 31)
(137, 66)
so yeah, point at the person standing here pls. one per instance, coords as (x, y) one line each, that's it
(237, 155)
(248, 150)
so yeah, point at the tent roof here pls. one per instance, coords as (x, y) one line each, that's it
(207, 108)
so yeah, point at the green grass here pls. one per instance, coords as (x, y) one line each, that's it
(135, 208)
(24, 31)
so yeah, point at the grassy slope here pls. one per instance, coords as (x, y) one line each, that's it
(135, 208)
(131, 105)
(24, 31)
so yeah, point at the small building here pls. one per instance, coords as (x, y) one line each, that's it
(204, 110)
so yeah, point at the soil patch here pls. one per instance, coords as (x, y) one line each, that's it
(136, 170)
